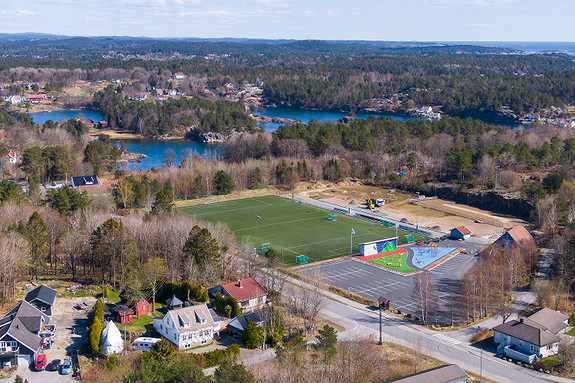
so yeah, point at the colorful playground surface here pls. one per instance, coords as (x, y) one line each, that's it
(425, 256)
(410, 258)
(396, 260)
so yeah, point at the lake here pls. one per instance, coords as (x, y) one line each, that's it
(59, 115)
(305, 115)
(156, 152)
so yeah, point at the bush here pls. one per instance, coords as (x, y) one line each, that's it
(106, 291)
(572, 319)
(213, 358)
(227, 306)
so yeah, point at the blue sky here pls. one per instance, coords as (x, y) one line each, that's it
(391, 20)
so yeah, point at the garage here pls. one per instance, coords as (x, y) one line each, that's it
(24, 360)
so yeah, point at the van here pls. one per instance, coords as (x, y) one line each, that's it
(144, 343)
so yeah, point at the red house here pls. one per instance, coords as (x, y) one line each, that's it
(143, 307)
(123, 314)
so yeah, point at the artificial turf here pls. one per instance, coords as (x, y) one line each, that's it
(392, 262)
(293, 228)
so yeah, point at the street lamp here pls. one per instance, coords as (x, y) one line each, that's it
(257, 217)
(417, 221)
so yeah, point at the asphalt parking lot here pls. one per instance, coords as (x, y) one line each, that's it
(372, 282)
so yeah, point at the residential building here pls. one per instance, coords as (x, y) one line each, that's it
(23, 331)
(531, 338)
(460, 232)
(84, 181)
(14, 99)
(179, 76)
(238, 324)
(123, 314)
(43, 298)
(518, 236)
(449, 373)
(36, 98)
(13, 157)
(249, 294)
(187, 327)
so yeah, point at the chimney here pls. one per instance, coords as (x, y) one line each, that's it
(521, 320)
(240, 284)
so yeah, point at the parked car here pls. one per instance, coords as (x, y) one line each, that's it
(66, 368)
(40, 364)
(53, 365)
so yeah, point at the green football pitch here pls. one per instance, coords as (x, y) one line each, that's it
(293, 228)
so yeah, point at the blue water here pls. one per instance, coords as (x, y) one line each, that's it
(59, 115)
(526, 46)
(426, 256)
(156, 152)
(305, 115)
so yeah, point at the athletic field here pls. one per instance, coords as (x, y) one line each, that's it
(293, 228)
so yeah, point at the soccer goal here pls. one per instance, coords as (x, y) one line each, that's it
(301, 260)
(332, 217)
(265, 246)
(409, 238)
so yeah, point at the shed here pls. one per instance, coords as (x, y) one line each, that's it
(174, 303)
(460, 232)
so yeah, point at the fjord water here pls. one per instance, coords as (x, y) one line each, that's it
(59, 115)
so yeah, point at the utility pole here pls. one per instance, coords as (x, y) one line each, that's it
(103, 291)
(257, 217)
(380, 326)
(481, 367)
(124, 315)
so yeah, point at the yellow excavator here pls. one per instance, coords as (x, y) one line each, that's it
(370, 204)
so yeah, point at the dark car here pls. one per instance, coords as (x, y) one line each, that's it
(53, 365)
(66, 368)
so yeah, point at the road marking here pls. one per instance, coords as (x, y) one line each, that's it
(448, 339)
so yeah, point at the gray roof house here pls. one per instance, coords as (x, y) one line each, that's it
(174, 302)
(43, 298)
(449, 373)
(84, 181)
(531, 338)
(187, 327)
(238, 324)
(22, 331)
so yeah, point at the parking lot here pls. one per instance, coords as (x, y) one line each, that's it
(372, 282)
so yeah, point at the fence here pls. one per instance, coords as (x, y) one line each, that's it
(367, 214)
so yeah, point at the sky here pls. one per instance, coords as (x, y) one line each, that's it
(384, 20)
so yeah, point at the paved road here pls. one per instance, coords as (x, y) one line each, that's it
(362, 322)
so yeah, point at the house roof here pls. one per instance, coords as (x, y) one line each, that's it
(122, 310)
(84, 180)
(552, 320)
(443, 374)
(463, 230)
(23, 323)
(244, 289)
(192, 315)
(528, 331)
(174, 301)
(238, 324)
(42, 293)
(216, 318)
(520, 234)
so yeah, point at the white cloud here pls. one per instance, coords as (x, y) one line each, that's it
(271, 3)
(24, 12)
(470, 2)
(219, 12)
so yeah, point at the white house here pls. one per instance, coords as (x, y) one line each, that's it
(531, 338)
(187, 327)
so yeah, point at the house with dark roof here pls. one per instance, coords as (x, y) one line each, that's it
(449, 373)
(187, 327)
(238, 324)
(84, 181)
(531, 338)
(460, 232)
(518, 236)
(251, 296)
(43, 298)
(23, 331)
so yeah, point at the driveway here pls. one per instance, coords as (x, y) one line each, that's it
(71, 333)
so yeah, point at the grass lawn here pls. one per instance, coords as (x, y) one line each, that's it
(392, 262)
(571, 332)
(293, 228)
(143, 323)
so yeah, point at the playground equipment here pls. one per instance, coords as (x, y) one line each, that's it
(379, 202)
(332, 217)
(409, 238)
(301, 260)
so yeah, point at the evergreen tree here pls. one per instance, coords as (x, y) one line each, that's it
(164, 203)
(230, 372)
(224, 182)
(201, 247)
(253, 335)
(326, 342)
(35, 232)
